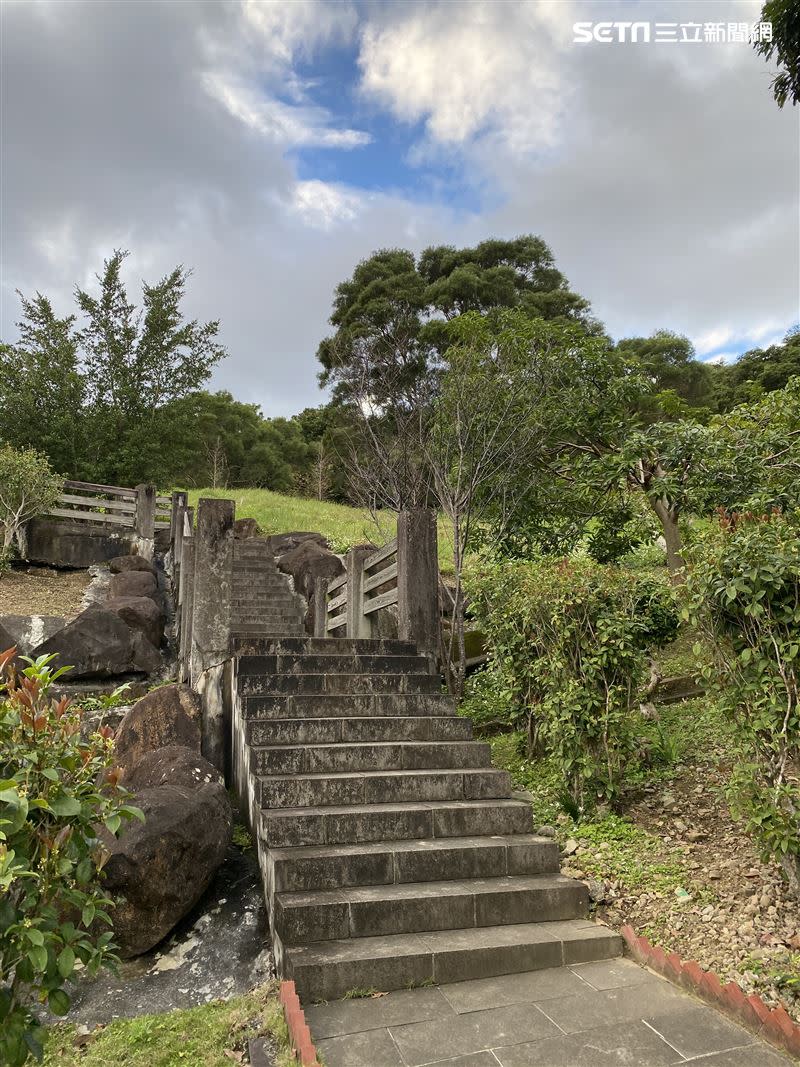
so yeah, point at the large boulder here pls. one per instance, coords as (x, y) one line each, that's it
(98, 643)
(7, 641)
(309, 561)
(245, 529)
(159, 869)
(140, 613)
(169, 715)
(134, 583)
(285, 542)
(121, 564)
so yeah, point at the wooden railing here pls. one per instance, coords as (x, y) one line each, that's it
(116, 506)
(404, 573)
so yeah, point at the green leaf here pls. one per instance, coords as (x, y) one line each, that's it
(58, 1002)
(66, 962)
(65, 806)
(38, 957)
(87, 915)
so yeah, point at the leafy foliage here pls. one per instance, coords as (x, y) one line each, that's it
(28, 487)
(744, 592)
(55, 792)
(567, 647)
(784, 46)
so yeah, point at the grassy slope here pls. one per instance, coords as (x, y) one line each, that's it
(207, 1036)
(343, 526)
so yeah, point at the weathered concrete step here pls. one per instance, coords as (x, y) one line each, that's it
(418, 907)
(342, 757)
(303, 663)
(420, 820)
(397, 862)
(353, 730)
(265, 630)
(339, 705)
(381, 787)
(266, 616)
(325, 645)
(344, 684)
(329, 969)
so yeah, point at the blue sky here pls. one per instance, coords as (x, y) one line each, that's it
(270, 145)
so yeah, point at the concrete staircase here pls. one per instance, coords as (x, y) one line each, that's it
(263, 602)
(392, 852)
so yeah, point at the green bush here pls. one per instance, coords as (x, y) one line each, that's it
(568, 645)
(744, 595)
(28, 487)
(56, 791)
(615, 534)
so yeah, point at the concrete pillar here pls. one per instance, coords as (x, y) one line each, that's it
(179, 501)
(211, 615)
(418, 579)
(145, 517)
(320, 607)
(358, 624)
(186, 599)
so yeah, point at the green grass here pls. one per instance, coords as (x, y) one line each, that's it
(204, 1036)
(344, 526)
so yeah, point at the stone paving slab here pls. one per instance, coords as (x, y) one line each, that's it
(606, 1014)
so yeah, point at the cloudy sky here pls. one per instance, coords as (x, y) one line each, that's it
(271, 145)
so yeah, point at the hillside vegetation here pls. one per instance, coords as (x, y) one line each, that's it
(343, 526)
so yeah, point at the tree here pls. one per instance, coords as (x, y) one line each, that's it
(391, 315)
(784, 15)
(681, 386)
(42, 390)
(28, 487)
(758, 371)
(96, 396)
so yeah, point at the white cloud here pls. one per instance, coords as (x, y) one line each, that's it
(323, 205)
(292, 126)
(466, 68)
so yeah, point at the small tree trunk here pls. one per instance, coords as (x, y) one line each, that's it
(668, 517)
(791, 868)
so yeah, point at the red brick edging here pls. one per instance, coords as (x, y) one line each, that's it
(302, 1045)
(772, 1024)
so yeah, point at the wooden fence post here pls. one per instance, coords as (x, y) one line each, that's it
(418, 579)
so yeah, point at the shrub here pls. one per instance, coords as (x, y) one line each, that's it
(55, 792)
(744, 594)
(28, 487)
(615, 534)
(568, 645)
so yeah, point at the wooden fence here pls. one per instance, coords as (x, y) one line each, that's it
(404, 573)
(136, 509)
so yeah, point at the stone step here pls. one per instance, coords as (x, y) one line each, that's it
(265, 630)
(266, 615)
(334, 645)
(343, 758)
(328, 970)
(417, 907)
(292, 827)
(339, 705)
(338, 684)
(397, 862)
(381, 787)
(352, 730)
(302, 663)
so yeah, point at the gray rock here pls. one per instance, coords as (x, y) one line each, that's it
(122, 564)
(98, 643)
(546, 831)
(140, 613)
(167, 716)
(159, 869)
(245, 529)
(133, 583)
(280, 544)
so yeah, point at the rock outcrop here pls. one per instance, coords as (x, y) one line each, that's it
(98, 643)
(140, 613)
(134, 583)
(121, 564)
(167, 716)
(159, 869)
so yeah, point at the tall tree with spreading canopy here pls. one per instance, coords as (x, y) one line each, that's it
(784, 17)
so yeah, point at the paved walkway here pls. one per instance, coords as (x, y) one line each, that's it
(593, 1015)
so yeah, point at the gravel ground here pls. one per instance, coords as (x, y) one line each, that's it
(731, 915)
(43, 591)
